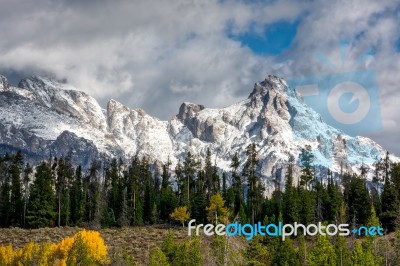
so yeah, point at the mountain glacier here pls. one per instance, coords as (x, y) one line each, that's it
(42, 116)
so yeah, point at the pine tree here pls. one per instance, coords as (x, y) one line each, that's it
(209, 175)
(387, 166)
(307, 213)
(16, 201)
(290, 197)
(135, 204)
(94, 201)
(256, 253)
(192, 255)
(359, 201)
(158, 258)
(76, 195)
(334, 201)
(237, 183)
(343, 254)
(41, 211)
(390, 205)
(395, 176)
(149, 204)
(5, 191)
(168, 201)
(255, 189)
(165, 176)
(148, 193)
(306, 163)
(186, 253)
(362, 256)
(396, 256)
(169, 246)
(303, 250)
(323, 253)
(190, 167)
(198, 206)
(224, 185)
(64, 173)
(112, 189)
(26, 182)
(285, 254)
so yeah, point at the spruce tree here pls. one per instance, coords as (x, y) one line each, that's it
(359, 201)
(16, 201)
(158, 258)
(5, 190)
(190, 167)
(390, 205)
(92, 190)
(26, 182)
(332, 202)
(237, 183)
(362, 256)
(76, 195)
(11, 201)
(41, 208)
(168, 201)
(290, 197)
(306, 163)
(285, 254)
(64, 173)
(343, 254)
(322, 253)
(255, 188)
(257, 253)
(307, 208)
(135, 208)
(209, 175)
(395, 176)
(198, 206)
(149, 205)
(111, 192)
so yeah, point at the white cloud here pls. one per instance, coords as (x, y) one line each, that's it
(157, 54)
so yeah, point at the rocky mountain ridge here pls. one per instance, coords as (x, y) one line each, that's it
(42, 116)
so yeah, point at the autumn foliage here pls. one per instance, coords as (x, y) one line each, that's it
(180, 214)
(84, 248)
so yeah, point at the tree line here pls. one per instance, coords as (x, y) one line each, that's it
(117, 193)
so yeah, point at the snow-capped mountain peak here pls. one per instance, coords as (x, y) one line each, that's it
(42, 115)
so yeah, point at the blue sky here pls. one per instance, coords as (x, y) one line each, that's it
(273, 39)
(156, 56)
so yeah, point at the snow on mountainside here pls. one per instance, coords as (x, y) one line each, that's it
(41, 115)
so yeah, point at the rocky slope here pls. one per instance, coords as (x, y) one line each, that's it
(42, 116)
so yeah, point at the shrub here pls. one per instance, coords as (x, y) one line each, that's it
(158, 258)
(6, 255)
(84, 248)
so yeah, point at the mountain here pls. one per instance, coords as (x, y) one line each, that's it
(41, 117)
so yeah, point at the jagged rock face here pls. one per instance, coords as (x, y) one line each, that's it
(65, 101)
(83, 150)
(137, 133)
(41, 116)
(3, 83)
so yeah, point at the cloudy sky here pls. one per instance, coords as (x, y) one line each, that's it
(155, 55)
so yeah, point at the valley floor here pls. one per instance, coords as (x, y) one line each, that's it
(136, 241)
